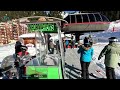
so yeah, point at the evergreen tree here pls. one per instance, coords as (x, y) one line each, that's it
(56, 14)
(20, 14)
(112, 15)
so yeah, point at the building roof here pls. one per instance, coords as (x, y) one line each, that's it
(28, 35)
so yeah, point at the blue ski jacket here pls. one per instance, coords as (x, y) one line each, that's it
(85, 53)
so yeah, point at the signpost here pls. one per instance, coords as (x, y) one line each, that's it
(49, 72)
(43, 27)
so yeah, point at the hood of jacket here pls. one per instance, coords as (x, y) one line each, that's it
(85, 48)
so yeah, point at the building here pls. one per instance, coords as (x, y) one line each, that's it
(9, 31)
(3, 33)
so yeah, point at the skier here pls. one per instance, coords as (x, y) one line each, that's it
(90, 40)
(18, 46)
(86, 40)
(23, 51)
(20, 54)
(48, 40)
(17, 63)
(72, 42)
(64, 45)
(67, 43)
(86, 52)
(51, 45)
(58, 47)
(112, 53)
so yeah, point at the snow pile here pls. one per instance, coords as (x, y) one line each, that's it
(102, 36)
(6, 51)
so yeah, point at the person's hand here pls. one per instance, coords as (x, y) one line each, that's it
(119, 64)
(99, 58)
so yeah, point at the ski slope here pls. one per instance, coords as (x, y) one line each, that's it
(103, 36)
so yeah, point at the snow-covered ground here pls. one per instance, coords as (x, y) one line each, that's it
(9, 50)
(6, 51)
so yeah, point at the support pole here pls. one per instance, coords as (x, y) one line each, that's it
(61, 50)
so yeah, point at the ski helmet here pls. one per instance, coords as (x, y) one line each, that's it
(113, 39)
(24, 48)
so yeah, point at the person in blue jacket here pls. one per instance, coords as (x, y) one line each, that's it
(67, 43)
(86, 52)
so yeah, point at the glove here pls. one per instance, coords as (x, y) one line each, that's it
(119, 64)
(99, 58)
(78, 51)
(16, 63)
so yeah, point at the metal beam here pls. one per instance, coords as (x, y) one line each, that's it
(44, 17)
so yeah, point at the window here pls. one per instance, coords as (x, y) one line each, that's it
(85, 18)
(72, 18)
(79, 18)
(91, 17)
(105, 19)
(67, 19)
(98, 18)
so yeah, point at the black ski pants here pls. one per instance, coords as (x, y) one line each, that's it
(110, 73)
(84, 67)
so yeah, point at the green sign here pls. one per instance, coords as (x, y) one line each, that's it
(39, 72)
(44, 27)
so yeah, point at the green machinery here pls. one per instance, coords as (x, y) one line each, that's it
(37, 67)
